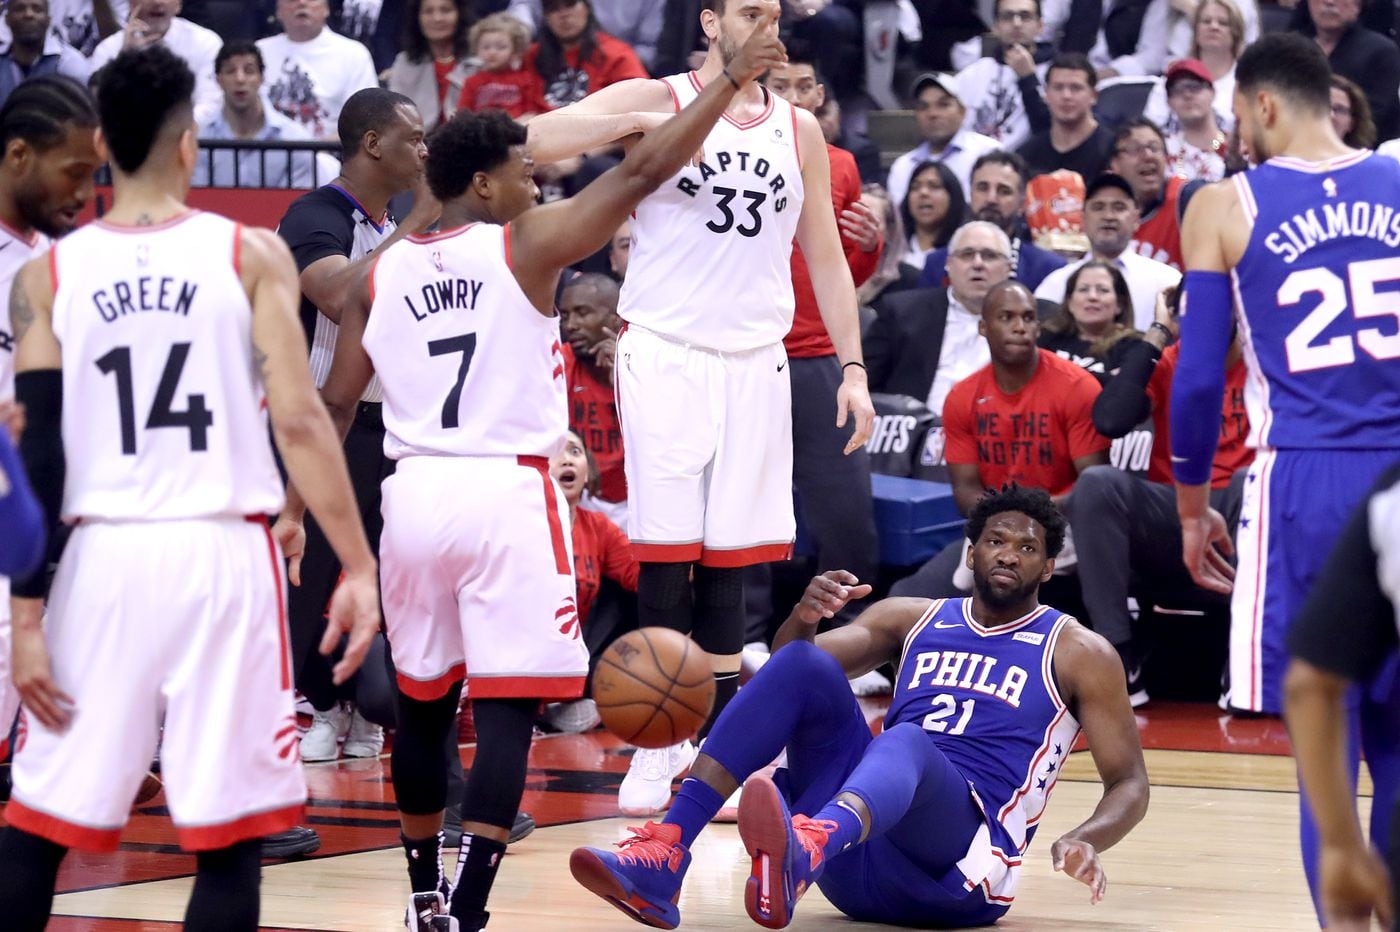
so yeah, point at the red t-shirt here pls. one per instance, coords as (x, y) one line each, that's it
(808, 335)
(1159, 236)
(593, 413)
(1031, 437)
(600, 549)
(612, 61)
(517, 92)
(1231, 455)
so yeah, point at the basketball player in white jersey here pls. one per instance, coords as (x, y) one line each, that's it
(702, 381)
(149, 346)
(47, 161)
(477, 568)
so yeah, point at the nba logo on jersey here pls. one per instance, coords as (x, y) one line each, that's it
(143, 254)
(437, 259)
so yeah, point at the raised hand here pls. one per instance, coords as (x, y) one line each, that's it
(762, 52)
(827, 594)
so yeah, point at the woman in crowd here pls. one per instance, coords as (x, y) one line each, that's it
(1218, 34)
(893, 273)
(932, 210)
(574, 57)
(1094, 325)
(1351, 114)
(601, 551)
(434, 63)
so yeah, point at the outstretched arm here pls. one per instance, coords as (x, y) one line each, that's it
(1095, 689)
(546, 239)
(605, 116)
(820, 240)
(875, 638)
(310, 448)
(1198, 386)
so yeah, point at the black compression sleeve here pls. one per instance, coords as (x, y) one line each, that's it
(41, 450)
(1123, 403)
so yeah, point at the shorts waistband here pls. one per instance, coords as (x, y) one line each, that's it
(677, 341)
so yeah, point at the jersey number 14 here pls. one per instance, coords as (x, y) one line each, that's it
(196, 418)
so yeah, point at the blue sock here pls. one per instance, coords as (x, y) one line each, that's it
(693, 808)
(848, 827)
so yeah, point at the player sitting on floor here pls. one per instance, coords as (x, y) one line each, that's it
(991, 695)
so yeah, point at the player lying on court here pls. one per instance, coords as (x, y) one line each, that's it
(926, 824)
(476, 567)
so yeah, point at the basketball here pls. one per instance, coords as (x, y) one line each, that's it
(654, 687)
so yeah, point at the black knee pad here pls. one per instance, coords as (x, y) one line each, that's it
(225, 895)
(719, 609)
(664, 585)
(504, 728)
(418, 764)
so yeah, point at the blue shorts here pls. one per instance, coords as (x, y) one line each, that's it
(1296, 503)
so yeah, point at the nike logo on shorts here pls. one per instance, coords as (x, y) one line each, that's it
(781, 364)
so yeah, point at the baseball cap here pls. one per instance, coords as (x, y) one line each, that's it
(1189, 67)
(948, 82)
(1108, 180)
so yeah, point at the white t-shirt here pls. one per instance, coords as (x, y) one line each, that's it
(992, 95)
(1146, 279)
(1391, 149)
(310, 81)
(73, 22)
(962, 352)
(196, 45)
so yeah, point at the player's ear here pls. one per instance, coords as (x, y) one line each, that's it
(1047, 571)
(188, 148)
(18, 154)
(99, 142)
(709, 23)
(821, 96)
(369, 142)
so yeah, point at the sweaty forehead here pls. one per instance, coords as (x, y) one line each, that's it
(1015, 524)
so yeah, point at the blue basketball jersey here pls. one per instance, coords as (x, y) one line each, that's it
(988, 699)
(1318, 290)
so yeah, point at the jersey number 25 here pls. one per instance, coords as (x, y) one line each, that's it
(1304, 355)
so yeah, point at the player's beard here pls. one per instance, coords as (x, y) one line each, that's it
(1004, 598)
(32, 203)
(728, 48)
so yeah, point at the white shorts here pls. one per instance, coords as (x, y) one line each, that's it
(709, 451)
(180, 620)
(476, 567)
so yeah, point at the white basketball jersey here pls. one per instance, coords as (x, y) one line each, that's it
(164, 415)
(469, 366)
(15, 250)
(711, 260)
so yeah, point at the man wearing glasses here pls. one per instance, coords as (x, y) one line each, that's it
(1110, 221)
(1140, 156)
(1001, 88)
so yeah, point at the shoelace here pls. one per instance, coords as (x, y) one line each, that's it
(646, 846)
(813, 833)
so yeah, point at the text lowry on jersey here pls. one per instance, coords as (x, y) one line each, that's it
(447, 294)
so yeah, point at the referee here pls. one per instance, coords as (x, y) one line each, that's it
(1346, 639)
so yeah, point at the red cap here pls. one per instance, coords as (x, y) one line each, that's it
(1192, 66)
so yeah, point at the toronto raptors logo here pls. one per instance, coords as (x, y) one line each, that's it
(567, 615)
(286, 739)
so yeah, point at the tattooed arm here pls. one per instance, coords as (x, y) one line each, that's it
(31, 317)
(310, 448)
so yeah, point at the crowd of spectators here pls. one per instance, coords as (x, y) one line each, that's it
(1014, 258)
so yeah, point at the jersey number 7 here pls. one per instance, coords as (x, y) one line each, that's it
(466, 345)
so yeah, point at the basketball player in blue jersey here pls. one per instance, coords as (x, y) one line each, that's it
(927, 824)
(1305, 248)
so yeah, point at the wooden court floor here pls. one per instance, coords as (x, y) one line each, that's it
(1217, 851)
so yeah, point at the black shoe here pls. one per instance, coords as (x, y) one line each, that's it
(1132, 669)
(524, 825)
(293, 843)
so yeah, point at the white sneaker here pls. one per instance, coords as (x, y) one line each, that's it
(321, 741)
(647, 787)
(364, 738)
(754, 656)
(873, 683)
(572, 718)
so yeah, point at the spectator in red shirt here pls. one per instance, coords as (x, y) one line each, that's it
(833, 490)
(1025, 418)
(601, 551)
(1136, 534)
(503, 83)
(1140, 155)
(589, 324)
(574, 58)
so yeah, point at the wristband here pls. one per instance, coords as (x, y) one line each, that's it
(725, 71)
(1158, 325)
(854, 363)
